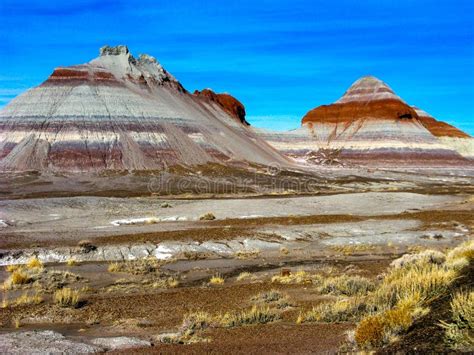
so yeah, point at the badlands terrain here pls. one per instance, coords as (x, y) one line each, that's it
(138, 217)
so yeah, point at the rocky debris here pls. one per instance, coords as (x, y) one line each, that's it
(43, 342)
(117, 50)
(120, 343)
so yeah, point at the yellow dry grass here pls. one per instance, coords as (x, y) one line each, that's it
(12, 268)
(34, 263)
(406, 290)
(299, 277)
(71, 262)
(216, 280)
(346, 285)
(136, 267)
(341, 310)
(254, 315)
(18, 277)
(26, 299)
(352, 249)
(244, 276)
(66, 297)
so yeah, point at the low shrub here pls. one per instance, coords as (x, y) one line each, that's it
(462, 306)
(346, 285)
(459, 333)
(370, 332)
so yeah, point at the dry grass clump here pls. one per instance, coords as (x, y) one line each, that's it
(462, 306)
(196, 322)
(273, 298)
(426, 256)
(17, 277)
(34, 263)
(11, 268)
(405, 291)
(346, 285)
(190, 331)
(247, 254)
(136, 267)
(370, 331)
(66, 297)
(196, 255)
(255, 315)
(427, 280)
(114, 267)
(169, 282)
(268, 297)
(462, 254)
(299, 277)
(216, 280)
(5, 302)
(244, 276)
(39, 278)
(71, 262)
(284, 251)
(375, 330)
(207, 217)
(342, 310)
(459, 333)
(26, 299)
(352, 249)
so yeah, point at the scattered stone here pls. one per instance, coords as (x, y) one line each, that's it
(165, 205)
(43, 342)
(86, 246)
(120, 343)
(207, 217)
(435, 236)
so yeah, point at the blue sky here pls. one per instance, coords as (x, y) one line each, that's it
(280, 58)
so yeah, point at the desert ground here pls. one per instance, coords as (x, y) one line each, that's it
(252, 271)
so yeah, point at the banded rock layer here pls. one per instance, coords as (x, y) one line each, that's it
(121, 113)
(370, 124)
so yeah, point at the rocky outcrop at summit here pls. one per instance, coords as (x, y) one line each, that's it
(118, 112)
